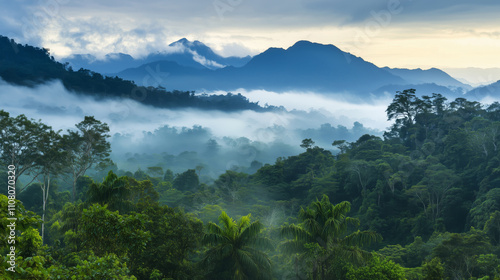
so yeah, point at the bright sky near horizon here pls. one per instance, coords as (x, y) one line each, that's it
(395, 33)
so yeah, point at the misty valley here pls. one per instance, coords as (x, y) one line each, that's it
(299, 163)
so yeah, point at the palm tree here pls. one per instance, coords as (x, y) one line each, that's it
(324, 235)
(234, 249)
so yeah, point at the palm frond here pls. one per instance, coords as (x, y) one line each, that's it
(341, 209)
(214, 228)
(246, 262)
(244, 221)
(297, 232)
(353, 255)
(215, 255)
(260, 258)
(227, 223)
(261, 243)
(361, 238)
(251, 231)
(292, 246)
(312, 226)
(213, 239)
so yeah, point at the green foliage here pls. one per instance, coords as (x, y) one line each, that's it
(187, 181)
(30, 242)
(485, 205)
(324, 235)
(234, 249)
(433, 270)
(433, 175)
(492, 228)
(459, 251)
(174, 239)
(93, 268)
(378, 269)
(105, 232)
(86, 147)
(307, 143)
(124, 194)
(26, 221)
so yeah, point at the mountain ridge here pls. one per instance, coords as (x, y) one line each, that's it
(303, 66)
(186, 53)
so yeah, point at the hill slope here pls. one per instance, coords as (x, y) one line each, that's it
(30, 66)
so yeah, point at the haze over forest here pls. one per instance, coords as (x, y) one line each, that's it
(249, 140)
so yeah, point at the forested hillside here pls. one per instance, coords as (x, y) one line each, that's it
(30, 66)
(423, 202)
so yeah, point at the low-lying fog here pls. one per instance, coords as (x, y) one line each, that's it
(180, 139)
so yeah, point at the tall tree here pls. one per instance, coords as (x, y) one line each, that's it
(234, 249)
(19, 142)
(48, 166)
(87, 147)
(323, 235)
(307, 143)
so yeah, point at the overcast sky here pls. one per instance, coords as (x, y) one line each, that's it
(395, 33)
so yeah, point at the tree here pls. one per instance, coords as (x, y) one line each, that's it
(492, 228)
(86, 147)
(484, 206)
(169, 176)
(323, 235)
(124, 193)
(433, 269)
(175, 237)
(341, 145)
(155, 171)
(19, 145)
(377, 268)
(403, 107)
(105, 232)
(187, 181)
(307, 143)
(25, 220)
(49, 164)
(113, 191)
(460, 251)
(439, 181)
(94, 267)
(234, 249)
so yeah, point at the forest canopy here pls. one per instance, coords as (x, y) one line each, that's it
(421, 202)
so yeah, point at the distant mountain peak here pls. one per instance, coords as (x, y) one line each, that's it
(182, 41)
(188, 44)
(304, 44)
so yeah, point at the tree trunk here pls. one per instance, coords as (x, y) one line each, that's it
(45, 193)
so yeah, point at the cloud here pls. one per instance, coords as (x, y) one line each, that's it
(310, 107)
(137, 28)
(242, 136)
(204, 61)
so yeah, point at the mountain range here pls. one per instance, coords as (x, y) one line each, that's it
(193, 66)
(183, 52)
(305, 66)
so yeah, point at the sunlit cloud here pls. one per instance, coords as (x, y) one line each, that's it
(396, 33)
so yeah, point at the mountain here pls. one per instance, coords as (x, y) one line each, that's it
(475, 76)
(429, 76)
(491, 90)
(111, 63)
(303, 66)
(183, 52)
(192, 66)
(29, 66)
(423, 89)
